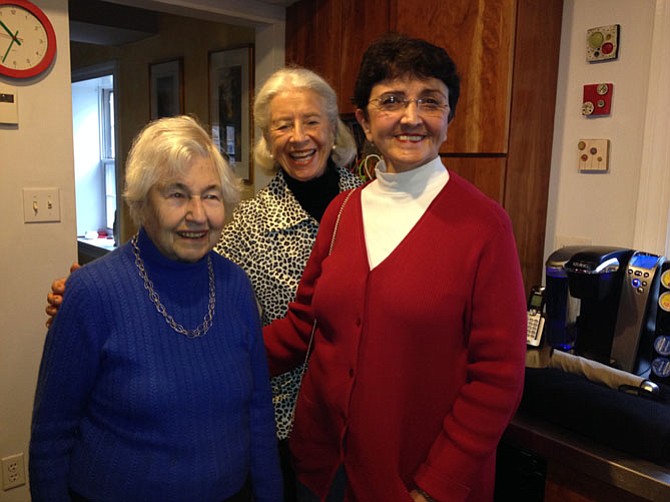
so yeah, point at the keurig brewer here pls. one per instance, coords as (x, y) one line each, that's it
(561, 308)
(598, 303)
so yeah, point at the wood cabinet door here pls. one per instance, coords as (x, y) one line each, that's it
(362, 22)
(486, 173)
(479, 36)
(330, 36)
(532, 130)
(313, 37)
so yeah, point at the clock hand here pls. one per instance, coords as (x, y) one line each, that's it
(13, 35)
(14, 39)
(6, 29)
(8, 49)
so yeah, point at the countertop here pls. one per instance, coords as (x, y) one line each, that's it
(610, 466)
(104, 243)
(547, 426)
(91, 249)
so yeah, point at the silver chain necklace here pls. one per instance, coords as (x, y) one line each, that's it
(153, 296)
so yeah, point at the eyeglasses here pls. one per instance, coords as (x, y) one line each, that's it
(393, 103)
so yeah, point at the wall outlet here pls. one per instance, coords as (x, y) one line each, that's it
(13, 471)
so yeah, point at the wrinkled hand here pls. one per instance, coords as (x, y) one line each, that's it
(417, 497)
(55, 297)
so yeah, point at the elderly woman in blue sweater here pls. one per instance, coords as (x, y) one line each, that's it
(154, 382)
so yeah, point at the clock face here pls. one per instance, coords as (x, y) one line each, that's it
(27, 39)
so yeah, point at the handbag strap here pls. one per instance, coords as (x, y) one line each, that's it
(337, 221)
(330, 250)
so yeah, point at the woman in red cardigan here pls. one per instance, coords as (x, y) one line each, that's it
(418, 360)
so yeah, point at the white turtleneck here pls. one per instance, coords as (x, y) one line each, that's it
(394, 202)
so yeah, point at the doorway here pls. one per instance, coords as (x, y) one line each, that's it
(94, 133)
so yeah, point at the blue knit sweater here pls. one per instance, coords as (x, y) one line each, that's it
(128, 409)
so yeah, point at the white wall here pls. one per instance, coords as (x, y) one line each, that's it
(36, 153)
(599, 208)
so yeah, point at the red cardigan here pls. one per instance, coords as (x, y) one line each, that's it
(418, 365)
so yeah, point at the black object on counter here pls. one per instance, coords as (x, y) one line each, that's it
(634, 424)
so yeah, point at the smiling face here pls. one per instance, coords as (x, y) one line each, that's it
(185, 214)
(407, 138)
(301, 136)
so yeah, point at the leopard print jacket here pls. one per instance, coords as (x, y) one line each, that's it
(271, 237)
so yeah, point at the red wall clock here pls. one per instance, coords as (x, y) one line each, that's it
(27, 39)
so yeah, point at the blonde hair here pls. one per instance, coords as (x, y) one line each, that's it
(166, 147)
(344, 146)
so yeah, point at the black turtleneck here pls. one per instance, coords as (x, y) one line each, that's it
(314, 195)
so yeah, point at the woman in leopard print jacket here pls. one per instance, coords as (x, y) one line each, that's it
(271, 236)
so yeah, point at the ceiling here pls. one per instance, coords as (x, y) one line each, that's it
(103, 23)
(117, 22)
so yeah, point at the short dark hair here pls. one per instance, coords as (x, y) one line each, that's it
(394, 56)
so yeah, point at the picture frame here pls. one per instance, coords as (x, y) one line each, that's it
(166, 81)
(231, 82)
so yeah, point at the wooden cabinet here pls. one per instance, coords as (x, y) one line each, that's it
(531, 118)
(330, 36)
(506, 52)
(479, 36)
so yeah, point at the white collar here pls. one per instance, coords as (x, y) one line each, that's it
(413, 182)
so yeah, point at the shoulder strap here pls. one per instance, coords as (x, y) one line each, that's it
(337, 221)
(332, 243)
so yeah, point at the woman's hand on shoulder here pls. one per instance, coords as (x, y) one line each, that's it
(55, 297)
(420, 496)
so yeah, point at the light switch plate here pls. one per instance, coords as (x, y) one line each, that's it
(41, 205)
(593, 155)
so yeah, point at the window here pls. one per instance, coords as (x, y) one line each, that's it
(94, 154)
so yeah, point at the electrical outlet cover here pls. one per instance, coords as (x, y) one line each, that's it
(593, 155)
(13, 471)
(602, 43)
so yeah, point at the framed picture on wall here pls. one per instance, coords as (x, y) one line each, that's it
(231, 81)
(166, 81)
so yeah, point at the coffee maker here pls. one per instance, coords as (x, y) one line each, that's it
(601, 304)
(561, 308)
